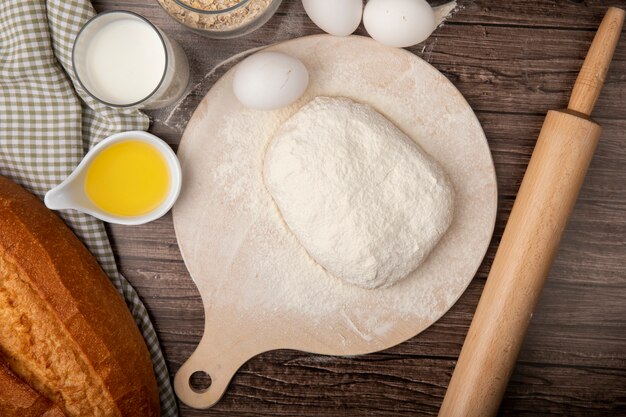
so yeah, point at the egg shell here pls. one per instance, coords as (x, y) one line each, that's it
(270, 80)
(399, 23)
(337, 17)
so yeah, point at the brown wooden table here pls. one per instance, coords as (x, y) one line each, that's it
(513, 60)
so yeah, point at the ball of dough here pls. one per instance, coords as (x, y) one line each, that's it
(364, 200)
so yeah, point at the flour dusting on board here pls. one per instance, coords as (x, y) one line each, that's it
(294, 279)
(253, 272)
(280, 254)
(241, 177)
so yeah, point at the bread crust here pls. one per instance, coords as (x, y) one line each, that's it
(18, 399)
(49, 271)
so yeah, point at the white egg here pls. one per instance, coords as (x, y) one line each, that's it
(270, 80)
(337, 17)
(399, 23)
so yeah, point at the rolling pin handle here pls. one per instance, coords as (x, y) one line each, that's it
(593, 72)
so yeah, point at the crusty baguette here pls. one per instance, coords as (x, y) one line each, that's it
(18, 399)
(64, 329)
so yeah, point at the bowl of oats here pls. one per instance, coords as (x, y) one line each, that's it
(221, 19)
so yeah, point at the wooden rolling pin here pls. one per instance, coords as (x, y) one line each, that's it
(544, 202)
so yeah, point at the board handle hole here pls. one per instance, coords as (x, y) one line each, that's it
(199, 382)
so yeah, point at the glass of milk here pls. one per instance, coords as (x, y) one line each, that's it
(123, 60)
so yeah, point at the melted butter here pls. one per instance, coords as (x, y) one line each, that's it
(129, 178)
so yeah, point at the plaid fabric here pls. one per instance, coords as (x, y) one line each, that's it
(47, 124)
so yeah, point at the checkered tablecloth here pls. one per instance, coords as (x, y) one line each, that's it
(47, 123)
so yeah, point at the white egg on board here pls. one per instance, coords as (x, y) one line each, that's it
(399, 23)
(337, 17)
(270, 80)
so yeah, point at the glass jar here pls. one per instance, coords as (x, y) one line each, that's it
(221, 19)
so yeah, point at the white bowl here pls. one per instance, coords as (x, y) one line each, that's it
(70, 194)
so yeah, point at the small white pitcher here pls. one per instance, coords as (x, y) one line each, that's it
(70, 194)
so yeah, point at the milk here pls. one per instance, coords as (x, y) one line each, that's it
(121, 59)
(124, 61)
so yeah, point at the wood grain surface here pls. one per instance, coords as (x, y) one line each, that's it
(513, 61)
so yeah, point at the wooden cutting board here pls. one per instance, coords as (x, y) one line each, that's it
(260, 289)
